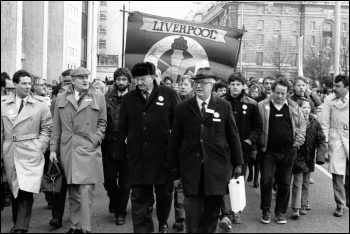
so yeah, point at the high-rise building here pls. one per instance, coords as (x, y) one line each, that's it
(48, 37)
(271, 43)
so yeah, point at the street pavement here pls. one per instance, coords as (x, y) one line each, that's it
(320, 219)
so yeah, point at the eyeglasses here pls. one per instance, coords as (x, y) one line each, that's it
(202, 83)
(121, 79)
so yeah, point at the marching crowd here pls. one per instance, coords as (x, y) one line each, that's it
(184, 140)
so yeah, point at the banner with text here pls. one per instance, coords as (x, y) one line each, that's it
(179, 47)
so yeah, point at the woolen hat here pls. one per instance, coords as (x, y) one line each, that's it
(143, 69)
(80, 71)
(204, 72)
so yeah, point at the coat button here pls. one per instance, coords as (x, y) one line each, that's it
(202, 125)
(201, 140)
(144, 128)
(144, 113)
(198, 154)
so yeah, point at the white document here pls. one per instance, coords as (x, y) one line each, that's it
(237, 194)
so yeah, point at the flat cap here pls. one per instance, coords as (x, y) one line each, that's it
(143, 69)
(80, 71)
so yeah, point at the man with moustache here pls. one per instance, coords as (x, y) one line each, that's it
(79, 125)
(204, 147)
(116, 168)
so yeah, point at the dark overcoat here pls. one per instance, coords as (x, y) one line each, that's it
(213, 140)
(146, 125)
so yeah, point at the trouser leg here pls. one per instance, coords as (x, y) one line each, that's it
(339, 190)
(226, 209)
(22, 210)
(305, 190)
(74, 206)
(347, 183)
(179, 201)
(87, 197)
(193, 209)
(268, 168)
(123, 190)
(59, 201)
(164, 199)
(210, 216)
(256, 172)
(141, 201)
(297, 190)
(111, 187)
(244, 169)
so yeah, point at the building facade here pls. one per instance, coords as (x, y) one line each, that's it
(271, 43)
(48, 37)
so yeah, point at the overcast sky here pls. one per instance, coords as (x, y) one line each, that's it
(173, 9)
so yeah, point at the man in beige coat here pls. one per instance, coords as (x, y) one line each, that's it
(335, 124)
(79, 124)
(25, 132)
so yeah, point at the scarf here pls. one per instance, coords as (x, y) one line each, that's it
(185, 97)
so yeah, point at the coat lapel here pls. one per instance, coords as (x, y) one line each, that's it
(26, 112)
(212, 106)
(72, 100)
(194, 107)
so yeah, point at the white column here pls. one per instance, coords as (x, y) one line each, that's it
(45, 38)
(19, 35)
(337, 38)
(93, 49)
(89, 38)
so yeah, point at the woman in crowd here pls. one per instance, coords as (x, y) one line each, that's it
(99, 86)
(186, 87)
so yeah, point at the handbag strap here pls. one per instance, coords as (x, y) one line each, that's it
(49, 171)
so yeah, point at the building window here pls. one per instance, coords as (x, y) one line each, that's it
(295, 11)
(277, 58)
(328, 27)
(102, 44)
(259, 74)
(259, 58)
(260, 39)
(313, 25)
(260, 9)
(84, 29)
(294, 40)
(103, 30)
(295, 26)
(278, 10)
(294, 60)
(313, 40)
(103, 3)
(343, 27)
(278, 39)
(103, 15)
(108, 60)
(278, 25)
(260, 24)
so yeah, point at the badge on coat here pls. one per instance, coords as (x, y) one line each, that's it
(267, 107)
(244, 107)
(216, 115)
(160, 103)
(160, 98)
(244, 112)
(210, 111)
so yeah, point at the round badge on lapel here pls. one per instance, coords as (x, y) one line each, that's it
(244, 107)
(11, 112)
(267, 107)
(160, 98)
(216, 115)
(244, 112)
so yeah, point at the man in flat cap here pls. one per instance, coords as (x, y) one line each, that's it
(79, 125)
(203, 147)
(146, 118)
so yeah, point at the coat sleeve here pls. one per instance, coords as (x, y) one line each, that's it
(45, 127)
(233, 140)
(325, 118)
(257, 125)
(300, 129)
(175, 142)
(2, 138)
(175, 102)
(101, 123)
(321, 145)
(56, 129)
(122, 132)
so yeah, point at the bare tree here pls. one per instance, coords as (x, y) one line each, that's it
(344, 54)
(279, 55)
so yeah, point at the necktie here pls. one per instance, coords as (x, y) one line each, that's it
(203, 108)
(81, 96)
(145, 95)
(343, 99)
(21, 106)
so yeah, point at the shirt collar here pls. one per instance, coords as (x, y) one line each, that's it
(275, 104)
(199, 101)
(122, 93)
(18, 100)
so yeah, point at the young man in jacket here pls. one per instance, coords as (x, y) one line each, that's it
(147, 114)
(115, 168)
(25, 132)
(249, 125)
(279, 148)
(335, 124)
(204, 146)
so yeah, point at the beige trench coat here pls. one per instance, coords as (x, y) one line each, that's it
(335, 124)
(78, 132)
(24, 139)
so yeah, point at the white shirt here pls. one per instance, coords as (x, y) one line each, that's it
(279, 106)
(199, 101)
(149, 93)
(122, 93)
(18, 102)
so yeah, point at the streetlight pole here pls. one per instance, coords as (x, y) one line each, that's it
(337, 38)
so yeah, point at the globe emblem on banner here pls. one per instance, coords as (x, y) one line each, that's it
(176, 56)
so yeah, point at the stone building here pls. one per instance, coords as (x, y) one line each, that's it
(48, 37)
(271, 43)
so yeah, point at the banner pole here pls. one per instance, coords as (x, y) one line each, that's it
(123, 42)
(239, 50)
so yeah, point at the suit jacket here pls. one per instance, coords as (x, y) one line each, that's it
(146, 125)
(212, 139)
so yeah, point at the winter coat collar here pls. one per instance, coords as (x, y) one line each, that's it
(213, 105)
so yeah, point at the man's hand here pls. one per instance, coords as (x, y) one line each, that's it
(53, 157)
(237, 172)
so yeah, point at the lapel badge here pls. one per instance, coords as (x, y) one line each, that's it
(160, 98)
(216, 115)
(244, 107)
(267, 107)
(11, 112)
(244, 112)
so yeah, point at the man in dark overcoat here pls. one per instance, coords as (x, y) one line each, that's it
(204, 145)
(116, 169)
(146, 117)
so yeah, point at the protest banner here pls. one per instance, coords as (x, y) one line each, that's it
(178, 47)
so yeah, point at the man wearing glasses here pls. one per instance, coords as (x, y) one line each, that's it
(203, 147)
(146, 117)
(116, 168)
(79, 124)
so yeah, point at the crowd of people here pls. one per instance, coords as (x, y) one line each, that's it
(154, 140)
